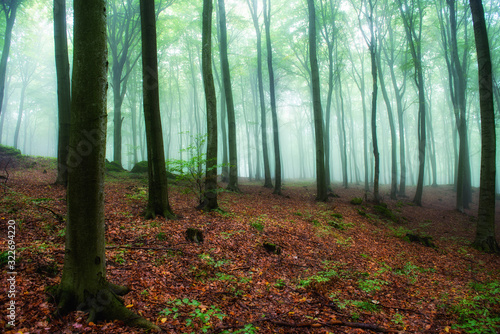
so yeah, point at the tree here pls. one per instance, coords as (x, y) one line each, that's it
(63, 89)
(9, 8)
(318, 113)
(83, 284)
(412, 14)
(267, 171)
(457, 74)
(231, 119)
(123, 36)
(157, 173)
(485, 231)
(210, 194)
(272, 93)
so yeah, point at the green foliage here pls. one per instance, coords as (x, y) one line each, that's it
(247, 329)
(4, 256)
(191, 172)
(384, 211)
(280, 284)
(196, 316)
(371, 285)
(161, 236)
(209, 260)
(320, 278)
(480, 312)
(411, 271)
(258, 226)
(113, 167)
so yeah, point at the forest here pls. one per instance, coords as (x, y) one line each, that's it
(250, 166)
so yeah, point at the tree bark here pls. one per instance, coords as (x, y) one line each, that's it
(83, 284)
(210, 194)
(274, 115)
(63, 90)
(10, 17)
(253, 5)
(231, 119)
(318, 113)
(157, 174)
(485, 232)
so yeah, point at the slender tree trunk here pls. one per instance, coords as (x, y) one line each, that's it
(158, 203)
(223, 121)
(253, 5)
(394, 169)
(10, 17)
(231, 118)
(318, 113)
(20, 115)
(485, 232)
(414, 38)
(277, 154)
(63, 89)
(210, 193)
(83, 284)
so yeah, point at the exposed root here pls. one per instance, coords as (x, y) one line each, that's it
(105, 304)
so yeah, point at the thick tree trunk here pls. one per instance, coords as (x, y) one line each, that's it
(231, 118)
(318, 113)
(83, 284)
(158, 191)
(63, 89)
(485, 232)
(210, 194)
(277, 157)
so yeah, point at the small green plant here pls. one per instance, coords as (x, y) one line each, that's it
(479, 312)
(119, 257)
(161, 236)
(398, 319)
(247, 329)
(280, 284)
(365, 305)
(209, 260)
(196, 316)
(371, 285)
(320, 278)
(258, 226)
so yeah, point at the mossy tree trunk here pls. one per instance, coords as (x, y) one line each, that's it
(318, 113)
(210, 193)
(63, 89)
(157, 173)
(485, 232)
(83, 284)
(231, 118)
(272, 94)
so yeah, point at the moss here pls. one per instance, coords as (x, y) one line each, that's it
(356, 201)
(9, 151)
(140, 167)
(113, 167)
(384, 211)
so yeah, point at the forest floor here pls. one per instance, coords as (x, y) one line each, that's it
(338, 267)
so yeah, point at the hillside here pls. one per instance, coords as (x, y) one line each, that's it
(268, 264)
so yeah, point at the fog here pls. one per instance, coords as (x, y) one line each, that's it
(30, 87)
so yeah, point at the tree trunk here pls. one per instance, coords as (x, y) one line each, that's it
(210, 194)
(414, 38)
(20, 114)
(394, 169)
(63, 89)
(485, 232)
(10, 18)
(277, 157)
(318, 113)
(263, 119)
(231, 119)
(83, 284)
(157, 174)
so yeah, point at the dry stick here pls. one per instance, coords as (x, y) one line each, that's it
(58, 216)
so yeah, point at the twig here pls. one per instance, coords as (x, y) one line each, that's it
(58, 216)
